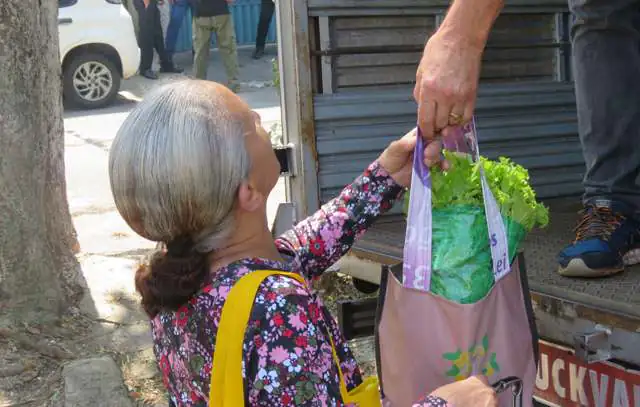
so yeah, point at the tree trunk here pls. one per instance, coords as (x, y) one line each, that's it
(39, 275)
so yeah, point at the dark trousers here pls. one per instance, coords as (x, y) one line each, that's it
(150, 36)
(606, 55)
(267, 8)
(179, 10)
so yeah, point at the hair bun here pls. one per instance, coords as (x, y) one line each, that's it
(167, 281)
(181, 246)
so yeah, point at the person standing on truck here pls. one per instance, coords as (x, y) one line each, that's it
(606, 56)
(213, 16)
(203, 167)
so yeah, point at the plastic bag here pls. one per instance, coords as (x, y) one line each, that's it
(461, 257)
(449, 250)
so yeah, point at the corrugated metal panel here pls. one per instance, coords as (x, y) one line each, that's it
(246, 14)
(185, 39)
(415, 7)
(532, 123)
(520, 48)
(366, 67)
(352, 70)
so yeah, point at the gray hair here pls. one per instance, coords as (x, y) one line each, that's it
(176, 165)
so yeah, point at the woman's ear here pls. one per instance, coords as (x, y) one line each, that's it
(249, 198)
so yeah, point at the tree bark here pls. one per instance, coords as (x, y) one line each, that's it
(39, 275)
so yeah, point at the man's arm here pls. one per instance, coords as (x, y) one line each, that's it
(447, 78)
(470, 20)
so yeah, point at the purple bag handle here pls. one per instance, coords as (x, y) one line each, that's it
(417, 267)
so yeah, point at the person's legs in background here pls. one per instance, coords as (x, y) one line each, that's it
(226, 36)
(202, 28)
(606, 54)
(166, 61)
(178, 12)
(145, 40)
(267, 8)
(192, 7)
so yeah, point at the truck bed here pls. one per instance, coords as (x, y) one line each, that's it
(617, 295)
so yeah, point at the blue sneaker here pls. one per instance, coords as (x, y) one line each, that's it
(604, 235)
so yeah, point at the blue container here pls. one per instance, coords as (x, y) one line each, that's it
(246, 14)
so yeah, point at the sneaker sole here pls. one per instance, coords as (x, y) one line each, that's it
(632, 257)
(577, 268)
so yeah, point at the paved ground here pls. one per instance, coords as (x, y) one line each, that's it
(110, 249)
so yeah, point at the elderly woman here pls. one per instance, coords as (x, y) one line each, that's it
(192, 167)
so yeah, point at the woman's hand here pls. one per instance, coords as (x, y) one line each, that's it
(446, 83)
(397, 159)
(472, 392)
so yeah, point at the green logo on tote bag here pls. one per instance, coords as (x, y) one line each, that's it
(464, 361)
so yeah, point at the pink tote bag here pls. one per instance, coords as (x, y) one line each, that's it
(424, 341)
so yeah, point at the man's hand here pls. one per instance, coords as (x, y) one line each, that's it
(447, 78)
(446, 83)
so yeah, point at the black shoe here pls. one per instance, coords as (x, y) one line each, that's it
(171, 69)
(149, 74)
(257, 54)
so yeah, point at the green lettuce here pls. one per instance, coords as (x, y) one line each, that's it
(461, 257)
(509, 182)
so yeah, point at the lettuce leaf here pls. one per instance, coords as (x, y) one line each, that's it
(508, 181)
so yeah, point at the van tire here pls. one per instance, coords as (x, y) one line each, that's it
(102, 82)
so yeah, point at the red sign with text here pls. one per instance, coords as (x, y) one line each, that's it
(565, 380)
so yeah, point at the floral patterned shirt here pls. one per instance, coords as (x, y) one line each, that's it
(287, 353)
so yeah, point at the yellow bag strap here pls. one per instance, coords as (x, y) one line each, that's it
(226, 371)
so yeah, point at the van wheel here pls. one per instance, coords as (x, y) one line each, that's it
(364, 287)
(90, 81)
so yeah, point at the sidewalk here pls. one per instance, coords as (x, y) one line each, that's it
(254, 74)
(256, 81)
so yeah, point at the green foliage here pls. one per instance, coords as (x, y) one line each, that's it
(461, 255)
(508, 181)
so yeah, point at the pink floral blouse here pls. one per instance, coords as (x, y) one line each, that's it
(287, 353)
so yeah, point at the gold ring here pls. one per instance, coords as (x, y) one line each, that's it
(455, 119)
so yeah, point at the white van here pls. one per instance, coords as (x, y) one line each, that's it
(98, 48)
